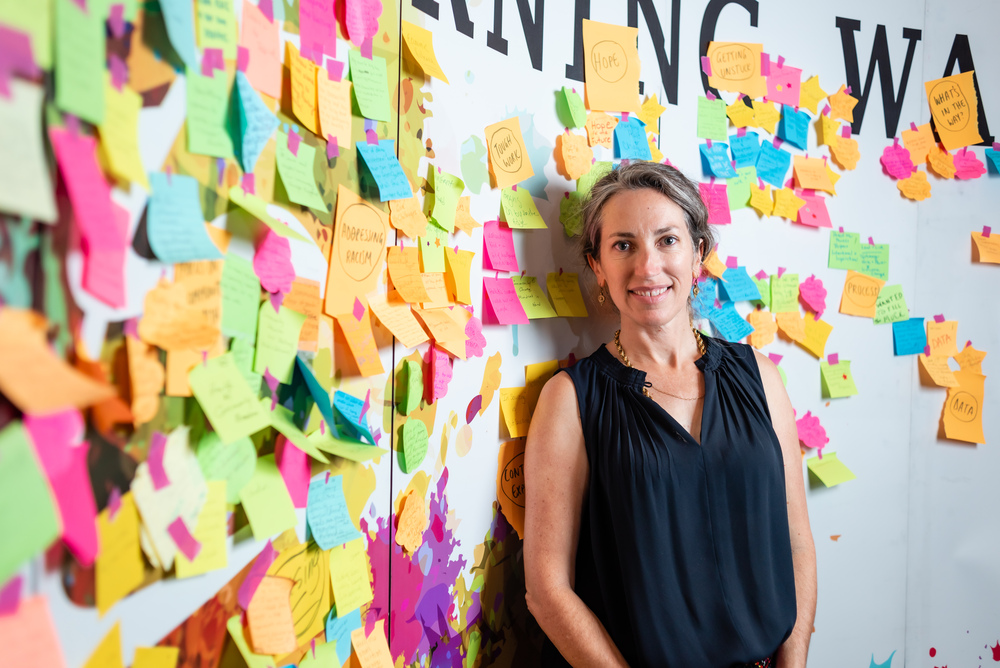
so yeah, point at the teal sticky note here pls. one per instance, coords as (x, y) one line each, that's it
(257, 122)
(712, 120)
(736, 286)
(371, 85)
(794, 127)
(351, 419)
(773, 164)
(715, 161)
(339, 629)
(380, 160)
(729, 323)
(909, 337)
(630, 140)
(175, 225)
(80, 54)
(178, 15)
(326, 513)
(209, 115)
(318, 393)
(745, 149)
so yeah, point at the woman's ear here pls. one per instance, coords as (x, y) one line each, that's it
(595, 266)
(699, 256)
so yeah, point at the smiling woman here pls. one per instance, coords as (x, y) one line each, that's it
(662, 476)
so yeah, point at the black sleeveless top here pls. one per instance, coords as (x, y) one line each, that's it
(684, 551)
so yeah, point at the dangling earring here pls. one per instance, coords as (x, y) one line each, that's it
(694, 286)
(600, 296)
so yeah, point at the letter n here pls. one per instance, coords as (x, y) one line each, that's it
(961, 55)
(892, 102)
(458, 7)
(668, 68)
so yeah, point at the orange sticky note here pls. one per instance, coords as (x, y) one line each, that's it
(146, 379)
(937, 370)
(942, 337)
(919, 142)
(396, 316)
(168, 321)
(509, 160)
(179, 365)
(269, 617)
(971, 359)
(842, 105)
(437, 289)
(963, 409)
(817, 332)
(334, 99)
(811, 173)
(611, 66)
(303, 88)
(372, 650)
(412, 522)
(260, 37)
(736, 68)
(792, 325)
(860, 294)
(601, 129)
(404, 272)
(510, 483)
(915, 186)
(304, 298)
(573, 156)
(357, 253)
(407, 216)
(941, 161)
(444, 329)
(955, 109)
(463, 215)
(514, 404)
(845, 152)
(986, 249)
(764, 328)
(459, 267)
(28, 637)
(713, 265)
(361, 341)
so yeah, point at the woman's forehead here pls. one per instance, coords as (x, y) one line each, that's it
(643, 210)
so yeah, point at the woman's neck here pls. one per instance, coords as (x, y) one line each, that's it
(671, 346)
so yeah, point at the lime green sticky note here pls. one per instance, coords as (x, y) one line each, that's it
(28, 519)
(785, 293)
(79, 61)
(444, 201)
(356, 452)
(891, 305)
(216, 26)
(257, 208)
(571, 213)
(243, 351)
(371, 85)
(283, 420)
(253, 660)
(277, 341)
(228, 401)
(266, 500)
(836, 380)
(34, 18)
(234, 463)
(324, 654)
(432, 245)
(532, 298)
(764, 288)
(845, 250)
(712, 120)
(209, 115)
(575, 109)
(830, 470)
(296, 171)
(518, 210)
(413, 445)
(587, 181)
(412, 381)
(240, 297)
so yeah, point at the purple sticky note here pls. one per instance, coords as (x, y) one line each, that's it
(706, 65)
(186, 543)
(332, 150)
(833, 359)
(939, 318)
(157, 472)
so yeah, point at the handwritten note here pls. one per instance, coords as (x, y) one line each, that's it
(630, 140)
(334, 99)
(210, 533)
(372, 650)
(601, 129)
(240, 297)
(459, 267)
(175, 227)
(712, 121)
(794, 127)
(510, 482)
(735, 67)
(564, 291)
(501, 305)
(419, 42)
(570, 105)
(25, 183)
(715, 161)
(303, 88)
(297, 175)
(509, 160)
(349, 573)
(371, 86)
(269, 617)
(382, 164)
(955, 109)
(229, 403)
(327, 513)
(444, 200)
(908, 337)
(519, 211)
(231, 463)
(317, 29)
(266, 501)
(891, 305)
(745, 149)
(987, 249)
(963, 408)
(773, 164)
(361, 342)
(396, 316)
(737, 286)
(209, 115)
(811, 173)
(498, 243)
(358, 251)
(413, 444)
(860, 296)
(407, 216)
(80, 56)
(611, 66)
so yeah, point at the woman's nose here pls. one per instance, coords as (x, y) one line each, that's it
(648, 262)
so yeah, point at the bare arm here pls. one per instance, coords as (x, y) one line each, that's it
(555, 477)
(793, 653)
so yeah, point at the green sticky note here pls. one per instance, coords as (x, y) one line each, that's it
(283, 420)
(844, 250)
(324, 654)
(830, 470)
(356, 452)
(253, 660)
(210, 115)
(277, 341)
(891, 305)
(518, 210)
(229, 403)
(873, 260)
(413, 445)
(28, 519)
(413, 386)
(432, 245)
(587, 181)
(240, 297)
(785, 293)
(570, 108)
(712, 121)
(257, 208)
(266, 500)
(738, 188)
(34, 18)
(80, 53)
(296, 171)
(571, 213)
(764, 288)
(444, 201)
(371, 85)
(216, 26)
(836, 380)
(234, 463)
(243, 351)
(532, 298)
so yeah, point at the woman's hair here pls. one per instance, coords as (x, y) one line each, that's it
(664, 179)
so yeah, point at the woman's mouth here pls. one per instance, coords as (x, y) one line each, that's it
(650, 292)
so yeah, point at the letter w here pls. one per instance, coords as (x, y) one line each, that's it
(892, 102)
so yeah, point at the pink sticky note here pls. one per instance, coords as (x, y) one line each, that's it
(361, 18)
(811, 432)
(826, 110)
(104, 260)
(89, 192)
(987, 230)
(257, 572)
(914, 128)
(624, 117)
(272, 385)
(706, 65)
(760, 275)
(475, 344)
(114, 502)
(273, 263)
(498, 242)
(500, 303)
(814, 212)
(359, 309)
(260, 35)
(896, 160)
(813, 295)
(871, 241)
(741, 132)
(334, 70)
(845, 132)
(295, 470)
(775, 358)
(267, 9)
(781, 271)
(277, 299)
(731, 262)
(927, 350)
(366, 48)
(186, 543)
(118, 70)
(717, 200)
(833, 359)
(967, 165)
(157, 447)
(116, 20)
(765, 64)
(371, 137)
(249, 183)
(242, 59)
(10, 596)
(16, 57)
(293, 142)
(784, 83)
(939, 318)
(710, 95)
(441, 370)
(318, 27)
(332, 150)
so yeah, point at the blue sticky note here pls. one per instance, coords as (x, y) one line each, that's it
(257, 122)
(339, 629)
(745, 149)
(728, 322)
(704, 303)
(316, 391)
(993, 162)
(630, 140)
(178, 15)
(736, 286)
(351, 420)
(909, 337)
(794, 127)
(175, 226)
(715, 160)
(773, 164)
(326, 513)
(380, 159)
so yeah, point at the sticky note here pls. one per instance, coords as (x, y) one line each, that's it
(372, 649)
(412, 522)
(519, 211)
(432, 244)
(269, 617)
(412, 383)
(745, 149)
(260, 38)
(25, 183)
(210, 532)
(829, 470)
(175, 227)
(29, 636)
(971, 359)
(729, 323)
(272, 263)
(765, 116)
(338, 630)
(574, 157)
(735, 67)
(737, 286)
(209, 115)
(334, 99)
(942, 337)
(229, 403)
(498, 244)
(277, 341)
(919, 142)
(715, 160)
(303, 88)
(156, 657)
(459, 267)
(420, 44)
(266, 501)
(445, 331)
(252, 659)
(908, 337)
(813, 211)
(941, 161)
(443, 201)
(712, 120)
(358, 251)
(571, 101)
(118, 570)
(380, 159)
(630, 140)
(510, 482)
(291, 455)
(257, 208)
(937, 370)
(963, 408)
(761, 201)
(784, 293)
(240, 297)
(88, 190)
(501, 305)
(371, 85)
(794, 127)
(120, 134)
(349, 572)
(233, 463)
(772, 164)
(764, 328)
(564, 291)
(987, 249)
(404, 272)
(739, 189)
(80, 56)
(836, 379)
(740, 113)
(955, 109)
(361, 342)
(216, 26)
(860, 296)
(816, 333)
(514, 405)
(783, 84)
(407, 216)
(716, 198)
(600, 129)
(533, 300)
(891, 305)
(297, 174)
(611, 66)
(257, 122)
(508, 158)
(811, 173)
(317, 29)
(108, 653)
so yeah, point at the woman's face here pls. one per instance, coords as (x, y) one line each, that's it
(647, 257)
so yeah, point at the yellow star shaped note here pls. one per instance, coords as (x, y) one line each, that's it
(740, 114)
(654, 150)
(834, 177)
(786, 204)
(842, 105)
(810, 94)
(761, 199)
(827, 131)
(650, 112)
(766, 115)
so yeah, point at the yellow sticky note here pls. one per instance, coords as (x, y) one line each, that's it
(457, 276)
(514, 404)
(810, 94)
(108, 653)
(860, 296)
(509, 160)
(168, 322)
(420, 44)
(765, 115)
(119, 570)
(120, 134)
(303, 88)
(463, 215)
(971, 359)
(760, 200)
(349, 572)
(740, 114)
(830, 470)
(334, 101)
(611, 66)
(919, 142)
(444, 329)
(601, 129)
(396, 316)
(533, 300)
(650, 113)
(211, 533)
(564, 290)
(836, 380)
(816, 334)
(361, 342)
(736, 68)
(955, 109)
(412, 522)
(156, 657)
(357, 254)
(519, 211)
(937, 370)
(266, 501)
(986, 249)
(407, 216)
(963, 409)
(573, 155)
(811, 173)
(786, 203)
(827, 131)
(372, 650)
(842, 105)
(510, 482)
(942, 337)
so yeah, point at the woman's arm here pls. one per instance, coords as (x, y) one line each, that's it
(555, 478)
(792, 654)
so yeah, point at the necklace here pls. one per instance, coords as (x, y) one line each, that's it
(645, 390)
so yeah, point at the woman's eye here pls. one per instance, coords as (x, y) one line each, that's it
(670, 241)
(621, 246)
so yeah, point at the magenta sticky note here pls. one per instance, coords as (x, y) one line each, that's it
(760, 275)
(775, 358)
(186, 543)
(332, 149)
(814, 212)
(272, 262)
(784, 83)
(371, 137)
(939, 318)
(441, 370)
(706, 65)
(334, 70)
(765, 64)
(717, 200)
(277, 299)
(10, 596)
(732, 262)
(501, 298)
(845, 132)
(987, 230)
(118, 70)
(359, 309)
(317, 28)
(104, 260)
(267, 9)
(242, 59)
(833, 359)
(927, 351)
(249, 183)
(366, 48)
(89, 192)
(16, 57)
(781, 271)
(157, 448)
(498, 243)
(295, 470)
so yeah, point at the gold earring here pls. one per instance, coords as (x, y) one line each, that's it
(695, 289)
(600, 296)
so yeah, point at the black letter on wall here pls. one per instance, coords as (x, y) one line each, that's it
(892, 104)
(458, 8)
(668, 68)
(532, 28)
(961, 55)
(709, 22)
(582, 11)
(494, 38)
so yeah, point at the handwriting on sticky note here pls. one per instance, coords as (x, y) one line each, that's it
(327, 513)
(175, 226)
(412, 522)
(407, 216)
(361, 342)
(207, 114)
(611, 66)
(860, 296)
(519, 210)
(349, 572)
(414, 438)
(510, 482)
(277, 341)
(372, 650)
(735, 67)
(371, 85)
(359, 248)
(836, 379)
(269, 616)
(963, 408)
(955, 109)
(419, 42)
(380, 159)
(297, 175)
(396, 316)
(509, 160)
